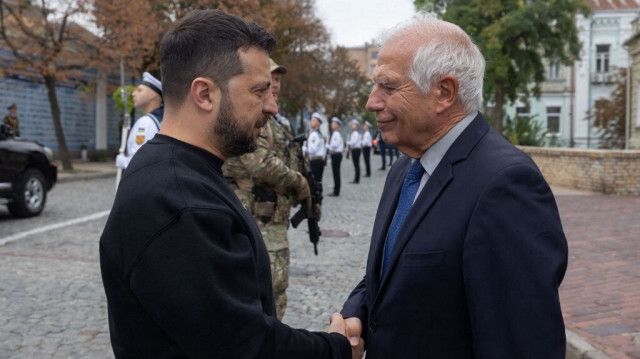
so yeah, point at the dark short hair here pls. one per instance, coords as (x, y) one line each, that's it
(205, 43)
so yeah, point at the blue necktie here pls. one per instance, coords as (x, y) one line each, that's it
(407, 194)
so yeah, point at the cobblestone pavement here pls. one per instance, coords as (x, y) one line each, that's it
(51, 297)
(53, 304)
(319, 285)
(600, 294)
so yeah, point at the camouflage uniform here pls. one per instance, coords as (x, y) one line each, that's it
(13, 123)
(273, 169)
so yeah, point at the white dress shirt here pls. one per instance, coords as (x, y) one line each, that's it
(335, 143)
(355, 140)
(315, 144)
(367, 141)
(142, 131)
(432, 157)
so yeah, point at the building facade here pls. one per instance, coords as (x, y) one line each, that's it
(633, 125)
(569, 93)
(366, 56)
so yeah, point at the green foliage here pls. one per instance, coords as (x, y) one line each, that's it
(609, 115)
(117, 98)
(524, 131)
(369, 116)
(515, 37)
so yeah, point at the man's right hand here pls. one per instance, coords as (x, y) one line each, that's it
(349, 327)
(354, 330)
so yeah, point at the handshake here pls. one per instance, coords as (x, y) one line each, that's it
(351, 329)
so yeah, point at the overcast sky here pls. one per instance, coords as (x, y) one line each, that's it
(354, 22)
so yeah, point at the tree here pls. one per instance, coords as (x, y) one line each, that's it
(516, 37)
(609, 115)
(343, 84)
(129, 31)
(302, 42)
(41, 38)
(524, 131)
(302, 85)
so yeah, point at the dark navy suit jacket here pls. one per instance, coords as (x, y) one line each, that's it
(476, 266)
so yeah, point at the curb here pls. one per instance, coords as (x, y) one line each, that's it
(84, 177)
(579, 348)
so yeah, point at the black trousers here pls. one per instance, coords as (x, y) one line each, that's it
(355, 156)
(336, 160)
(317, 168)
(366, 151)
(383, 154)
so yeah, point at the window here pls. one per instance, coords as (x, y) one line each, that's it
(553, 72)
(522, 112)
(374, 54)
(602, 58)
(553, 119)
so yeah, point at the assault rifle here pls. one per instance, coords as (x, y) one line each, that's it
(312, 214)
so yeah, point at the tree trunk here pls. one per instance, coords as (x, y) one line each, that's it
(498, 111)
(50, 83)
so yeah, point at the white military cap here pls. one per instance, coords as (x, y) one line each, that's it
(367, 123)
(317, 115)
(355, 122)
(336, 120)
(152, 82)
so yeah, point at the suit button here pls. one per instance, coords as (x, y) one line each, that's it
(372, 327)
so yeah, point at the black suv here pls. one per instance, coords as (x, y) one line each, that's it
(26, 174)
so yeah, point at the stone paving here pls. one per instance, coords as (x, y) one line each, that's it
(53, 303)
(51, 297)
(600, 294)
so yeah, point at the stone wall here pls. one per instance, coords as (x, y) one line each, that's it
(604, 171)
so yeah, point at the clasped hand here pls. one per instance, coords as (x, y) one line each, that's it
(351, 329)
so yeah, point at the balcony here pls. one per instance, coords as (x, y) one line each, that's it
(605, 78)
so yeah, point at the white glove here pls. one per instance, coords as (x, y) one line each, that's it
(122, 161)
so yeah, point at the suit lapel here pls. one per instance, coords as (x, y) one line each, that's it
(441, 177)
(384, 216)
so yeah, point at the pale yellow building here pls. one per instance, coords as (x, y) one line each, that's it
(366, 56)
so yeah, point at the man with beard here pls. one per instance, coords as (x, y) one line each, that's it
(268, 184)
(184, 267)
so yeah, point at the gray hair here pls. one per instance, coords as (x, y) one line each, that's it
(448, 51)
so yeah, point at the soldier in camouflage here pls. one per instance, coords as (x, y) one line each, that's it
(268, 183)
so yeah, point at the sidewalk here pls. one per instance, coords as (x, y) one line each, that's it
(600, 294)
(85, 170)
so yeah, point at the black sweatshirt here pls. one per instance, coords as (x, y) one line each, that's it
(185, 269)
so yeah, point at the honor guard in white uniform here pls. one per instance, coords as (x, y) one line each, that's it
(355, 145)
(148, 99)
(367, 141)
(335, 148)
(315, 148)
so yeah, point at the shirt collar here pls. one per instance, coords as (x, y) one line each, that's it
(432, 157)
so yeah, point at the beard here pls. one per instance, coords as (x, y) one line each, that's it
(234, 141)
